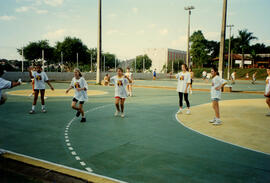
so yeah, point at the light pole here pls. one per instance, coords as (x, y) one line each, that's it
(43, 60)
(104, 63)
(22, 59)
(99, 43)
(188, 8)
(229, 52)
(62, 61)
(78, 60)
(91, 63)
(222, 39)
(143, 66)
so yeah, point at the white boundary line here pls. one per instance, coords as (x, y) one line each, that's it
(68, 144)
(219, 139)
(59, 165)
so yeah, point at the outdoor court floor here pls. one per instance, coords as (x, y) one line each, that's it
(152, 143)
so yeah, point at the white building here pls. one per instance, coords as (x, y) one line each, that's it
(162, 56)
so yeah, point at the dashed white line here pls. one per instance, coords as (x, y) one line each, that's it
(88, 169)
(73, 153)
(71, 148)
(77, 158)
(82, 163)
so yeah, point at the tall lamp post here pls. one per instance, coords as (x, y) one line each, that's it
(188, 8)
(222, 39)
(22, 59)
(229, 52)
(99, 43)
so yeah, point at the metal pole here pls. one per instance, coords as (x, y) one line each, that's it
(115, 64)
(135, 64)
(22, 59)
(77, 60)
(188, 35)
(61, 61)
(143, 66)
(172, 66)
(222, 39)
(99, 44)
(104, 63)
(43, 60)
(229, 53)
(91, 63)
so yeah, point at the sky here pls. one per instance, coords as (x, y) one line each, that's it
(129, 26)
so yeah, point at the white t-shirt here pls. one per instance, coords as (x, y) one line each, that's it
(120, 86)
(204, 74)
(183, 80)
(129, 75)
(267, 86)
(80, 83)
(40, 79)
(233, 76)
(216, 82)
(4, 84)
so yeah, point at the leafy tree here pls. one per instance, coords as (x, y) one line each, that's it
(212, 48)
(33, 51)
(139, 62)
(244, 39)
(109, 61)
(70, 47)
(199, 50)
(176, 65)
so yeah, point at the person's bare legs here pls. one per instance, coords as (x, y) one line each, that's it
(35, 97)
(73, 105)
(268, 102)
(216, 109)
(117, 100)
(81, 109)
(122, 102)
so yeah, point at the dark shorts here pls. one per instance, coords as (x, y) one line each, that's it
(75, 100)
(39, 90)
(191, 81)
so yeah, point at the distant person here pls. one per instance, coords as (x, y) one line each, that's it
(80, 87)
(4, 84)
(183, 86)
(208, 77)
(106, 80)
(129, 85)
(40, 78)
(254, 77)
(154, 75)
(217, 84)
(32, 81)
(191, 79)
(267, 90)
(204, 74)
(247, 76)
(233, 77)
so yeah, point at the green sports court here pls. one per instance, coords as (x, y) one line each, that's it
(152, 143)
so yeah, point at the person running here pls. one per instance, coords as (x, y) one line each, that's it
(4, 84)
(233, 77)
(129, 86)
(217, 84)
(40, 78)
(254, 77)
(120, 82)
(267, 90)
(155, 74)
(80, 87)
(183, 85)
(191, 79)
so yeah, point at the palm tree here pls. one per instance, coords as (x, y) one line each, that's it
(244, 38)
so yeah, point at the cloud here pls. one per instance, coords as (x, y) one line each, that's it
(55, 35)
(7, 18)
(135, 10)
(41, 11)
(212, 35)
(23, 9)
(180, 43)
(164, 32)
(111, 31)
(54, 2)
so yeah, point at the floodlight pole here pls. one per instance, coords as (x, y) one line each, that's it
(222, 39)
(188, 8)
(61, 61)
(143, 65)
(91, 63)
(22, 60)
(135, 64)
(229, 52)
(43, 60)
(78, 60)
(99, 43)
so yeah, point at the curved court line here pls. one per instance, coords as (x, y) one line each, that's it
(68, 143)
(217, 138)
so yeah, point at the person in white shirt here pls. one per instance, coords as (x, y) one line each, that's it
(4, 84)
(254, 78)
(80, 87)
(204, 74)
(233, 77)
(217, 84)
(183, 87)
(120, 82)
(129, 86)
(40, 78)
(267, 90)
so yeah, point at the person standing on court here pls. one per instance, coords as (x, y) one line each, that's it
(267, 90)
(40, 78)
(154, 74)
(183, 88)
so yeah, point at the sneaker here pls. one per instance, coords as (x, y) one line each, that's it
(213, 120)
(188, 112)
(116, 113)
(32, 112)
(268, 114)
(78, 113)
(45, 98)
(122, 115)
(179, 111)
(217, 122)
(83, 120)
(43, 111)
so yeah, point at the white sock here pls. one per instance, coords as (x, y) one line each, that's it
(33, 107)
(42, 107)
